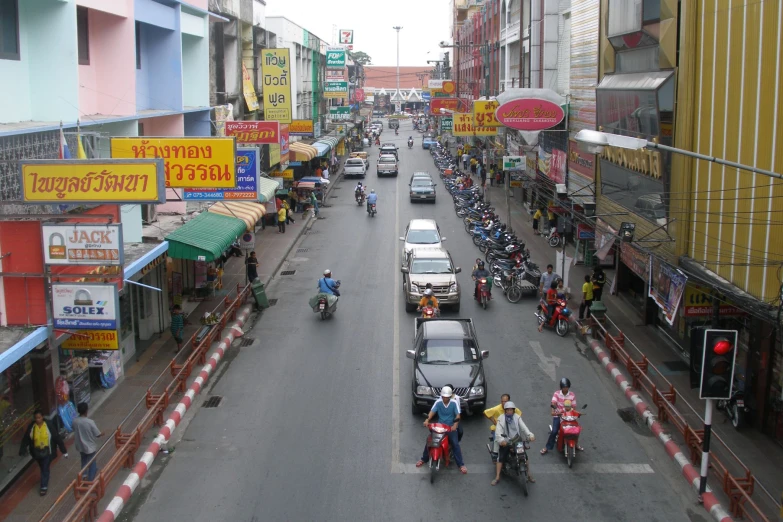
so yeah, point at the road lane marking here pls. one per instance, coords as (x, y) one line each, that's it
(549, 364)
(540, 469)
(396, 425)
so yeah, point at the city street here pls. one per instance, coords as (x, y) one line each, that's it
(315, 420)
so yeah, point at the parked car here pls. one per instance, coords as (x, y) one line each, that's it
(418, 233)
(430, 265)
(422, 190)
(446, 351)
(389, 148)
(427, 142)
(354, 167)
(387, 164)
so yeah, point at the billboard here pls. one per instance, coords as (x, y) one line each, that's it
(346, 36)
(335, 57)
(300, 128)
(449, 104)
(276, 74)
(92, 181)
(334, 89)
(77, 244)
(465, 126)
(484, 113)
(89, 306)
(248, 167)
(257, 132)
(92, 340)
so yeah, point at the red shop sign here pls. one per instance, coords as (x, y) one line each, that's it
(267, 132)
(529, 114)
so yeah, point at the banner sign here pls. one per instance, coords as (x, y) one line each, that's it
(446, 124)
(188, 162)
(358, 95)
(276, 74)
(667, 284)
(335, 75)
(335, 89)
(346, 36)
(465, 126)
(111, 181)
(340, 113)
(256, 132)
(77, 244)
(248, 166)
(300, 128)
(552, 164)
(513, 163)
(698, 303)
(287, 174)
(584, 231)
(91, 306)
(484, 113)
(580, 162)
(285, 142)
(636, 260)
(92, 340)
(436, 104)
(529, 114)
(248, 90)
(335, 57)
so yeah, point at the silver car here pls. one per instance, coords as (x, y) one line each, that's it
(426, 265)
(418, 233)
(387, 164)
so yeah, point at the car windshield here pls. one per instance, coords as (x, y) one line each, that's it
(448, 351)
(423, 237)
(431, 266)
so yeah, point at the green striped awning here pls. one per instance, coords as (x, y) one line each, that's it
(205, 237)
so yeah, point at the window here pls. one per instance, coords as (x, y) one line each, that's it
(138, 45)
(83, 35)
(9, 30)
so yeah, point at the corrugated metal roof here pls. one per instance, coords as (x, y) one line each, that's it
(644, 81)
(207, 235)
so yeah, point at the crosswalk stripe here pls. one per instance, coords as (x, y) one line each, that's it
(541, 469)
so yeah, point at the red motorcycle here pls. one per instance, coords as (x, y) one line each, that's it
(428, 312)
(559, 319)
(439, 448)
(567, 438)
(482, 292)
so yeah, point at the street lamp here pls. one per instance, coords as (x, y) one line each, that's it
(594, 142)
(397, 28)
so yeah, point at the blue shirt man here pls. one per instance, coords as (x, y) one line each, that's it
(448, 413)
(327, 285)
(372, 198)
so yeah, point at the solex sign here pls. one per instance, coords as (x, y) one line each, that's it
(90, 306)
(335, 57)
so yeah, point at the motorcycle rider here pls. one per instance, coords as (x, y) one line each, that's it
(494, 413)
(410, 141)
(327, 285)
(372, 199)
(509, 427)
(551, 304)
(479, 273)
(358, 191)
(448, 413)
(557, 407)
(428, 299)
(547, 278)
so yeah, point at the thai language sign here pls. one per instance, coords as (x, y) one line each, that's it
(91, 306)
(276, 76)
(285, 142)
(248, 90)
(699, 303)
(265, 132)
(667, 284)
(335, 89)
(552, 164)
(188, 162)
(92, 181)
(92, 340)
(446, 124)
(339, 113)
(636, 260)
(77, 244)
(484, 113)
(300, 128)
(450, 104)
(335, 57)
(465, 126)
(529, 114)
(580, 162)
(248, 167)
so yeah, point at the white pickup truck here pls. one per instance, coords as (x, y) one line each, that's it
(387, 164)
(354, 167)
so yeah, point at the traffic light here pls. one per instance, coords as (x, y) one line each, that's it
(717, 366)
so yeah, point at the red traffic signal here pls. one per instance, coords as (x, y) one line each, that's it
(722, 346)
(717, 365)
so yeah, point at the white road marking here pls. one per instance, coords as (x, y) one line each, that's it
(396, 424)
(539, 469)
(549, 364)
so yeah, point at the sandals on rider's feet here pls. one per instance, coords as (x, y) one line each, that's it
(580, 448)
(464, 470)
(419, 463)
(530, 479)
(544, 451)
(494, 482)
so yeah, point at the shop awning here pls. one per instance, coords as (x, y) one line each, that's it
(25, 345)
(248, 211)
(205, 237)
(135, 266)
(322, 148)
(302, 151)
(267, 188)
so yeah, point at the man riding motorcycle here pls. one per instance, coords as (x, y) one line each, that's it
(372, 199)
(410, 141)
(558, 407)
(480, 273)
(509, 429)
(358, 191)
(448, 413)
(327, 285)
(551, 303)
(429, 300)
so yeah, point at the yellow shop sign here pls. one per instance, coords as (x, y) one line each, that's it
(484, 113)
(188, 162)
(276, 76)
(92, 340)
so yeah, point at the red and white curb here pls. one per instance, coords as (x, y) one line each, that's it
(688, 470)
(134, 478)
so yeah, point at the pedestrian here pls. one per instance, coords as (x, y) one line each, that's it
(587, 298)
(177, 325)
(314, 203)
(547, 278)
(536, 219)
(325, 173)
(86, 433)
(492, 175)
(465, 159)
(473, 165)
(289, 214)
(318, 172)
(482, 172)
(599, 280)
(41, 440)
(252, 267)
(459, 152)
(281, 219)
(551, 218)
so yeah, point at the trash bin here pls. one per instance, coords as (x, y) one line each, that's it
(259, 292)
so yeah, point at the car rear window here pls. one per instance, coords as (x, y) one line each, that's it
(387, 160)
(354, 162)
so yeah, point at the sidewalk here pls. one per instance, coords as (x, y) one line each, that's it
(762, 455)
(22, 502)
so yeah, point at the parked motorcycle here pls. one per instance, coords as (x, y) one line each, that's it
(735, 408)
(439, 448)
(567, 438)
(554, 238)
(516, 465)
(559, 319)
(372, 211)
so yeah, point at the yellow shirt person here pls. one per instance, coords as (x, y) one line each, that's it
(496, 412)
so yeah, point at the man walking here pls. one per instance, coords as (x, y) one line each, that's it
(465, 159)
(41, 439)
(587, 298)
(252, 267)
(281, 218)
(86, 434)
(314, 203)
(177, 326)
(547, 278)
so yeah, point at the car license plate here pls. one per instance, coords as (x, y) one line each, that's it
(423, 197)
(741, 404)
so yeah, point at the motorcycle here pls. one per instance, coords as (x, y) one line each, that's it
(516, 465)
(734, 407)
(559, 319)
(320, 304)
(482, 292)
(567, 438)
(372, 210)
(439, 448)
(428, 312)
(553, 238)
(410, 144)
(359, 197)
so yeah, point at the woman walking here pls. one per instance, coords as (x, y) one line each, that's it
(41, 439)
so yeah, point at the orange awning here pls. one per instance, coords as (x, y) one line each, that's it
(302, 151)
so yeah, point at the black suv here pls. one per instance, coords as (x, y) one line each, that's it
(446, 351)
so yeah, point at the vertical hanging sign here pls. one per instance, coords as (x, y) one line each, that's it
(276, 73)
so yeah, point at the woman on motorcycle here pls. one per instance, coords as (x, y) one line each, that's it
(509, 428)
(551, 303)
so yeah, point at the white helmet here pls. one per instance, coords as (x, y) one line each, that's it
(372, 191)
(508, 405)
(428, 292)
(446, 391)
(327, 272)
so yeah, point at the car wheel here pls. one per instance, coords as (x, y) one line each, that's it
(415, 409)
(455, 308)
(410, 308)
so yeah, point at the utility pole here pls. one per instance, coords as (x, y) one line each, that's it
(397, 28)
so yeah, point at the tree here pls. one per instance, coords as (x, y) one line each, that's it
(361, 58)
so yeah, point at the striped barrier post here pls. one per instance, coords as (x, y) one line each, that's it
(709, 500)
(125, 491)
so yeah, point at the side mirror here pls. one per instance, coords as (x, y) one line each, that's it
(442, 239)
(457, 270)
(585, 406)
(484, 354)
(402, 239)
(410, 354)
(404, 269)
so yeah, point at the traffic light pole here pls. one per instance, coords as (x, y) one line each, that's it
(705, 448)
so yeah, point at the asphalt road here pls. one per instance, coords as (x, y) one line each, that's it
(315, 421)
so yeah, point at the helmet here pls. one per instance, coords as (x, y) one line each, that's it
(481, 264)
(360, 183)
(372, 191)
(565, 383)
(446, 391)
(428, 292)
(508, 405)
(327, 272)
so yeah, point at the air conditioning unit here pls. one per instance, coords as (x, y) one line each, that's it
(149, 213)
(561, 190)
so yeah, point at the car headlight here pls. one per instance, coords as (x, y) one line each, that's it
(477, 391)
(414, 287)
(423, 390)
(453, 287)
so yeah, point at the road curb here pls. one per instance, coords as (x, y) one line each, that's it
(691, 474)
